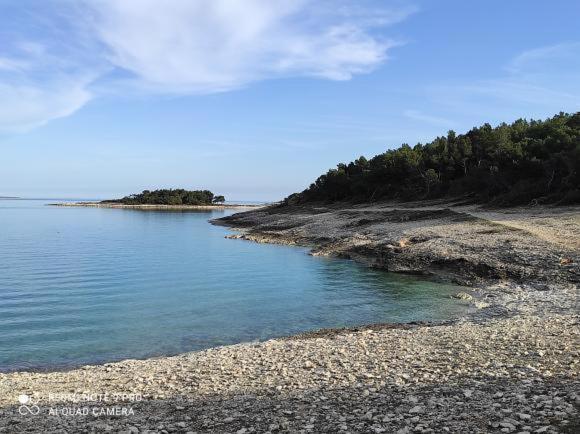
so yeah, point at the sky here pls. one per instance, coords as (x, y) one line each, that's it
(254, 99)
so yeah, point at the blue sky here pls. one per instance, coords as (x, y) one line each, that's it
(254, 99)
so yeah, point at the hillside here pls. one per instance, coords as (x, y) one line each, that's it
(525, 162)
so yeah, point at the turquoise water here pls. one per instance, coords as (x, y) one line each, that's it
(86, 285)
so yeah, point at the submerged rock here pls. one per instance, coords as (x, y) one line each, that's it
(463, 296)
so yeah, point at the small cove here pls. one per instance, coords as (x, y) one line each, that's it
(92, 285)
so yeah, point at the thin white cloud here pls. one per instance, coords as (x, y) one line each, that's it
(518, 91)
(537, 83)
(37, 86)
(25, 106)
(55, 58)
(8, 64)
(430, 119)
(198, 46)
(541, 58)
(46, 65)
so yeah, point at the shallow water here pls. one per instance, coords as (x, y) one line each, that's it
(87, 285)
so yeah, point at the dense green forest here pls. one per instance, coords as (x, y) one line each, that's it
(171, 197)
(526, 162)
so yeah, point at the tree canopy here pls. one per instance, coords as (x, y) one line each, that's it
(524, 162)
(176, 196)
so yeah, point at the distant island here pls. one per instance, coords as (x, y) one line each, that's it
(164, 199)
(176, 196)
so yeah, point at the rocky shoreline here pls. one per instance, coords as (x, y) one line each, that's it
(466, 244)
(510, 366)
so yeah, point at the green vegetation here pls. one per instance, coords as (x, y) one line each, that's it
(522, 163)
(171, 197)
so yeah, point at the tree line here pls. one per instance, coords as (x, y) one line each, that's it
(525, 162)
(176, 196)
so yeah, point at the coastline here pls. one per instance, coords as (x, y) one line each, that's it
(511, 365)
(453, 378)
(155, 207)
(467, 244)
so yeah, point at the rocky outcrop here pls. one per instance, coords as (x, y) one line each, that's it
(466, 244)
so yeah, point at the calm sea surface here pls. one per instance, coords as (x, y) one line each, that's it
(86, 285)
